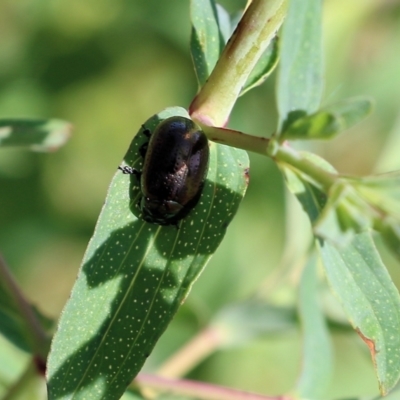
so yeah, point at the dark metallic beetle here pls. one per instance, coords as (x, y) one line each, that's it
(174, 169)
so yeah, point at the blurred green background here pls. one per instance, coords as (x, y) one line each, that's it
(106, 66)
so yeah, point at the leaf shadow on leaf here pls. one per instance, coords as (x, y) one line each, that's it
(148, 291)
(134, 277)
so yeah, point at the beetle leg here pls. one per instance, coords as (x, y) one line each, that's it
(177, 225)
(146, 131)
(129, 170)
(143, 149)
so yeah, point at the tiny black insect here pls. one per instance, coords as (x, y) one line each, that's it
(174, 169)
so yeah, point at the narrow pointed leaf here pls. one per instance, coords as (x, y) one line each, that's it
(370, 299)
(206, 41)
(329, 121)
(317, 363)
(264, 67)
(300, 80)
(135, 275)
(321, 125)
(37, 135)
(350, 111)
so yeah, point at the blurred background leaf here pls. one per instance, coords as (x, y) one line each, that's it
(106, 66)
(37, 135)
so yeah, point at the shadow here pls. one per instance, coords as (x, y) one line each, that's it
(134, 277)
(115, 343)
(146, 290)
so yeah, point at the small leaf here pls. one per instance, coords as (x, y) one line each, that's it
(135, 275)
(311, 197)
(371, 301)
(381, 190)
(206, 42)
(37, 135)
(300, 80)
(351, 111)
(321, 125)
(335, 216)
(245, 321)
(345, 214)
(329, 121)
(264, 67)
(317, 363)
(383, 193)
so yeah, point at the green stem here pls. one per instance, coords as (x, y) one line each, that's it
(35, 334)
(257, 27)
(321, 177)
(240, 140)
(281, 153)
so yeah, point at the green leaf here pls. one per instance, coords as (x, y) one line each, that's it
(225, 23)
(360, 281)
(350, 111)
(345, 214)
(329, 121)
(242, 322)
(300, 80)
(394, 395)
(336, 216)
(321, 125)
(264, 67)
(381, 190)
(317, 363)
(311, 197)
(13, 324)
(15, 329)
(206, 42)
(135, 275)
(37, 135)
(383, 193)
(371, 301)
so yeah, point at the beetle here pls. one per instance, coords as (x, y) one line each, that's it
(174, 169)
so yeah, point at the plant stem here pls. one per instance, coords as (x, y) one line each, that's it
(283, 153)
(214, 102)
(199, 390)
(34, 332)
(240, 140)
(321, 177)
(190, 355)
